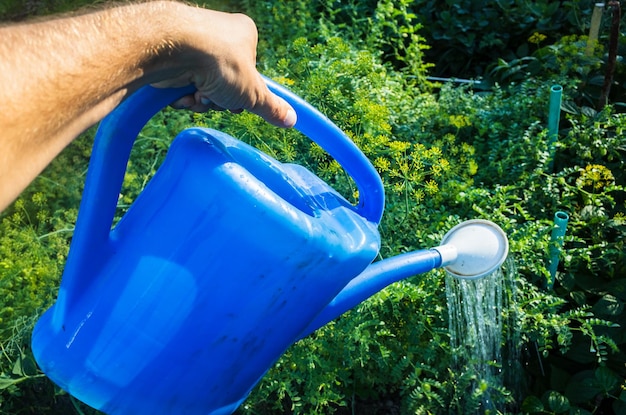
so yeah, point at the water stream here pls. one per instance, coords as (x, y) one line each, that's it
(483, 336)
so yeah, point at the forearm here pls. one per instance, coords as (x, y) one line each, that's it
(76, 63)
(63, 75)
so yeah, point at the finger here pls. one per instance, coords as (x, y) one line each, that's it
(183, 103)
(207, 103)
(275, 110)
(195, 104)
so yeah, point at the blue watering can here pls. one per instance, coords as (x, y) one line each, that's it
(223, 261)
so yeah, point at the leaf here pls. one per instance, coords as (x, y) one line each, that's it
(618, 288)
(588, 111)
(17, 368)
(6, 382)
(552, 8)
(579, 351)
(24, 366)
(608, 305)
(607, 379)
(557, 402)
(583, 387)
(579, 297)
(532, 404)
(570, 107)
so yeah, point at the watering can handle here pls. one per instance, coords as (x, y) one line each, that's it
(117, 133)
(324, 132)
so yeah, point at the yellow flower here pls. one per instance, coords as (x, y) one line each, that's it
(473, 167)
(459, 121)
(595, 176)
(431, 187)
(537, 38)
(39, 199)
(399, 146)
(444, 165)
(433, 153)
(418, 196)
(285, 81)
(382, 164)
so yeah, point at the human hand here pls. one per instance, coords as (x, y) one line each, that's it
(218, 57)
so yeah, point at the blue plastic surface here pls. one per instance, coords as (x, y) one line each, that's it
(220, 264)
(373, 279)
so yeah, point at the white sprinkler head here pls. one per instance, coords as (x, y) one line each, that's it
(481, 247)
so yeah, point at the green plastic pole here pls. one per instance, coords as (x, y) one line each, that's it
(556, 243)
(554, 116)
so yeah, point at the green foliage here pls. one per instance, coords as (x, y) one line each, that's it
(30, 260)
(579, 324)
(466, 34)
(34, 237)
(443, 157)
(564, 62)
(390, 29)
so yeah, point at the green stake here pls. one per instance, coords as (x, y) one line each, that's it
(556, 243)
(554, 116)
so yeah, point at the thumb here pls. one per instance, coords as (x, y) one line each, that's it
(275, 110)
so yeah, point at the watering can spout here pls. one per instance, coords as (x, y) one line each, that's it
(471, 250)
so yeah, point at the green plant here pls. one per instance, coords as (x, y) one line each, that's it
(14, 356)
(573, 333)
(390, 29)
(443, 157)
(564, 62)
(466, 36)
